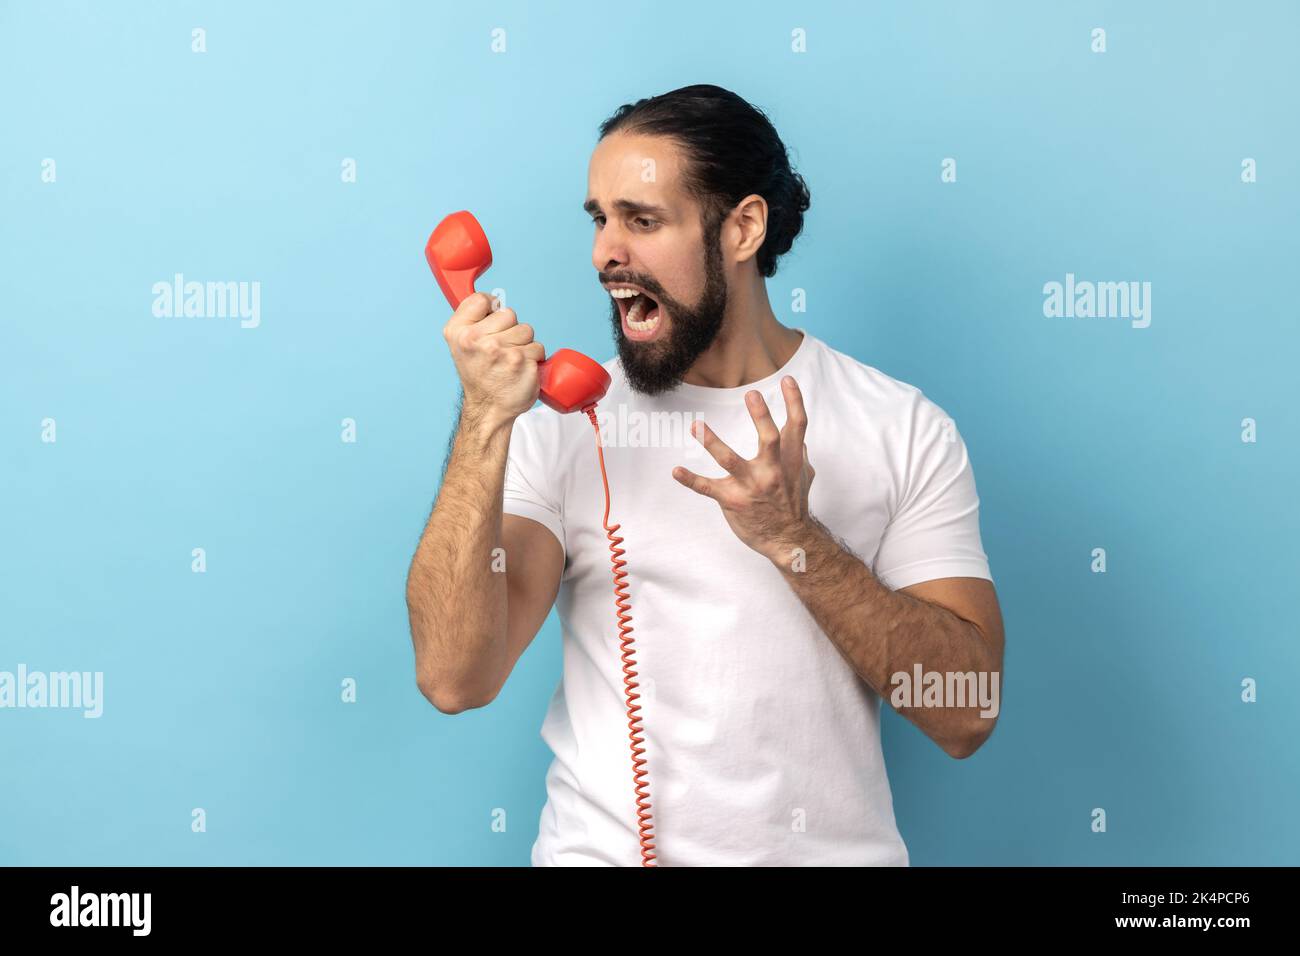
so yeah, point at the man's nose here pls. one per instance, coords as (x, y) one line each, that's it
(609, 251)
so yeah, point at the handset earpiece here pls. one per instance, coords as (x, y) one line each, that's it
(458, 253)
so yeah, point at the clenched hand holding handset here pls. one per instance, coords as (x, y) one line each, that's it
(458, 253)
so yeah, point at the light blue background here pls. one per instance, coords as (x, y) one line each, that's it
(222, 689)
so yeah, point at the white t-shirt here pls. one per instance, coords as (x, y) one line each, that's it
(762, 745)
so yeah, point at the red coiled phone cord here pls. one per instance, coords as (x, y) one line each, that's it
(621, 602)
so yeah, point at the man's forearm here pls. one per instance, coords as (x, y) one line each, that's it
(882, 633)
(457, 607)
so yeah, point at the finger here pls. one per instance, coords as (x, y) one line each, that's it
(520, 333)
(769, 439)
(720, 450)
(535, 351)
(496, 322)
(697, 483)
(467, 332)
(796, 423)
(472, 310)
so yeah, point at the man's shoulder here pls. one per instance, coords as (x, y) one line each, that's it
(864, 383)
(542, 431)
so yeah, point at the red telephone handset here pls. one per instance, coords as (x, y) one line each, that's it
(458, 253)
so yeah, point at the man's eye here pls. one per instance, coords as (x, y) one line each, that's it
(639, 220)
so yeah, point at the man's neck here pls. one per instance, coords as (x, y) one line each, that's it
(748, 347)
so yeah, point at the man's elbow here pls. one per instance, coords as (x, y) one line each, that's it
(959, 748)
(447, 700)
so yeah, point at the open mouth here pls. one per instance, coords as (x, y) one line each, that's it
(640, 312)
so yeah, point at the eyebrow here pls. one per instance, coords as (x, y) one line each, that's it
(627, 206)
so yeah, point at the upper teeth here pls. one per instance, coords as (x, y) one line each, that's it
(623, 293)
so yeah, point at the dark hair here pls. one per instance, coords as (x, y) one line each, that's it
(732, 150)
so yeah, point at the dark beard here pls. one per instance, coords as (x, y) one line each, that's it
(654, 367)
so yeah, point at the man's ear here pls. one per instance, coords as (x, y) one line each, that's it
(749, 224)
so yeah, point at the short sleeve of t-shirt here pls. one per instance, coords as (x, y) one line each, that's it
(530, 479)
(934, 531)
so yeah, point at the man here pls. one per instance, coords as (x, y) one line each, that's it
(771, 614)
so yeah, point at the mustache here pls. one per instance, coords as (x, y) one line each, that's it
(648, 284)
